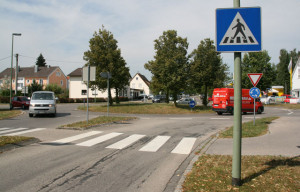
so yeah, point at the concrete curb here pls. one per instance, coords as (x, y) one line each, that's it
(19, 144)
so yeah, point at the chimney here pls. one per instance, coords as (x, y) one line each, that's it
(36, 68)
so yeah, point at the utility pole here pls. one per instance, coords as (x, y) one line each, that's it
(237, 126)
(16, 73)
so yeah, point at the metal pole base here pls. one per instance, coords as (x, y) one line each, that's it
(236, 182)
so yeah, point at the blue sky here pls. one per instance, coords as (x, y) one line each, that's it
(61, 29)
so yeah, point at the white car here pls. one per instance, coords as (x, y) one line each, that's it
(185, 101)
(42, 102)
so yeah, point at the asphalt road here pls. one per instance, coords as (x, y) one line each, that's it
(140, 155)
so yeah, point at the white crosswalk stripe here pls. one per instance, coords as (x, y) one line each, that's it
(99, 139)
(27, 131)
(11, 130)
(76, 137)
(155, 144)
(125, 142)
(185, 146)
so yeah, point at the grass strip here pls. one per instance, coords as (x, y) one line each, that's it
(97, 121)
(4, 140)
(6, 113)
(250, 130)
(149, 108)
(260, 173)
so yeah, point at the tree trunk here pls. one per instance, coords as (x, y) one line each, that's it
(117, 96)
(205, 95)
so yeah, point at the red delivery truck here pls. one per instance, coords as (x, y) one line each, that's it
(223, 101)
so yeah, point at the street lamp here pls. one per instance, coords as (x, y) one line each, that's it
(11, 66)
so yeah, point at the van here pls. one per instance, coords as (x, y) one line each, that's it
(42, 102)
(223, 101)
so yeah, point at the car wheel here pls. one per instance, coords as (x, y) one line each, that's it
(259, 110)
(30, 115)
(23, 107)
(219, 113)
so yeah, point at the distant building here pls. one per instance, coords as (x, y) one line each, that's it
(296, 80)
(139, 84)
(26, 75)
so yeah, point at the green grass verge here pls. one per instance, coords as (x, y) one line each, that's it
(6, 113)
(285, 105)
(250, 130)
(259, 173)
(149, 108)
(97, 121)
(4, 140)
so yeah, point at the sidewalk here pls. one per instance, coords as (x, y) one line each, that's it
(283, 139)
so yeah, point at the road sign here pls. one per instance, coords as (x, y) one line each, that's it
(192, 104)
(238, 29)
(254, 78)
(254, 92)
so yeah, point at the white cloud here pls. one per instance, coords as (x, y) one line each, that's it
(61, 29)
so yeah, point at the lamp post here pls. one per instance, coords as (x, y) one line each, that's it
(11, 67)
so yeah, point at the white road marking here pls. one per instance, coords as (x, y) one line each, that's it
(185, 146)
(155, 144)
(99, 139)
(27, 131)
(76, 137)
(125, 142)
(12, 130)
(180, 118)
(220, 118)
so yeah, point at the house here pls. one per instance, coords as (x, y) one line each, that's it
(296, 80)
(78, 88)
(26, 75)
(139, 85)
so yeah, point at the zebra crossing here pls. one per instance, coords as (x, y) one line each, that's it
(184, 147)
(92, 138)
(17, 131)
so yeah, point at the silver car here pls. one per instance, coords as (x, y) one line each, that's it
(42, 102)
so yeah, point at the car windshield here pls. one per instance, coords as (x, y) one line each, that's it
(24, 99)
(42, 96)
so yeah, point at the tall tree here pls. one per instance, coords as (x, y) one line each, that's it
(207, 69)
(40, 61)
(258, 62)
(106, 56)
(283, 75)
(170, 65)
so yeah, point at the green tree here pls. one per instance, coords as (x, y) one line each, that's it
(55, 88)
(34, 87)
(207, 69)
(106, 56)
(258, 62)
(170, 65)
(40, 61)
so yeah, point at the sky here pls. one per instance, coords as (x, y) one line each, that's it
(60, 30)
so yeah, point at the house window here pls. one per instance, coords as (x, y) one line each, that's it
(27, 81)
(61, 82)
(41, 81)
(83, 92)
(58, 73)
(13, 81)
(136, 78)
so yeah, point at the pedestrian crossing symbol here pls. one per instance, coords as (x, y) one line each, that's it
(238, 30)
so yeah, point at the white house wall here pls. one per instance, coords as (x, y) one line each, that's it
(138, 83)
(296, 80)
(76, 85)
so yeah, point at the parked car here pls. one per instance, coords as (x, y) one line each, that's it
(159, 99)
(184, 101)
(42, 102)
(20, 101)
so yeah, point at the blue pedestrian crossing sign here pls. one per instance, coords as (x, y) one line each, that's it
(238, 29)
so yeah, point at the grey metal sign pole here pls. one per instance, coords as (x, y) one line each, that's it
(87, 100)
(237, 126)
